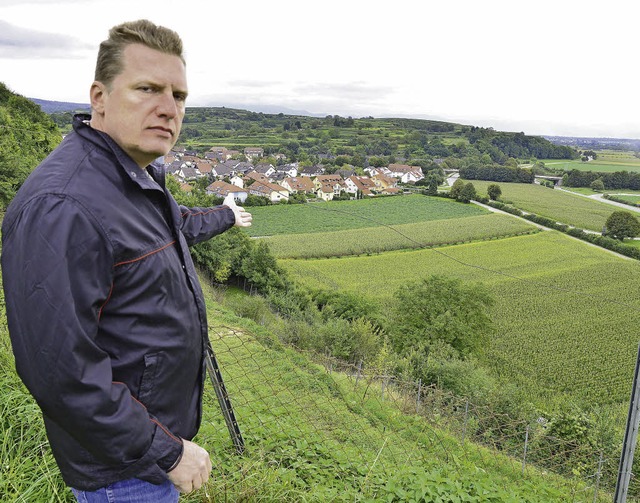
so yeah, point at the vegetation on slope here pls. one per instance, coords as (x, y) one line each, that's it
(310, 435)
(27, 135)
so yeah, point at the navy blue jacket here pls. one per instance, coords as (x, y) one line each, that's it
(106, 316)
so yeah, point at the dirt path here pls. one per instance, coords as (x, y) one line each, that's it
(600, 197)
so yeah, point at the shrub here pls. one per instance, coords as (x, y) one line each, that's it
(622, 224)
(494, 191)
(441, 309)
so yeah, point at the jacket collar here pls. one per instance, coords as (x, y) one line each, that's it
(139, 176)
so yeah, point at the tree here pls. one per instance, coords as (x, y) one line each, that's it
(467, 193)
(622, 224)
(494, 191)
(432, 188)
(439, 310)
(456, 188)
(597, 185)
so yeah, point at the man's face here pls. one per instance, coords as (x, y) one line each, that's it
(145, 104)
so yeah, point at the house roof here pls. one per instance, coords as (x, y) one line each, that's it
(312, 170)
(300, 183)
(254, 175)
(335, 178)
(263, 168)
(204, 167)
(265, 189)
(404, 168)
(189, 172)
(363, 182)
(223, 189)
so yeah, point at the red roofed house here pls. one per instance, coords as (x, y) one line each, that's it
(223, 189)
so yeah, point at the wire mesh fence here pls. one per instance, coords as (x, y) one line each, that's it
(267, 390)
(305, 417)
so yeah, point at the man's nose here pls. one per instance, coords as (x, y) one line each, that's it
(167, 105)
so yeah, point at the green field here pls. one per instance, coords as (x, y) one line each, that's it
(403, 236)
(629, 198)
(607, 161)
(558, 205)
(343, 215)
(567, 312)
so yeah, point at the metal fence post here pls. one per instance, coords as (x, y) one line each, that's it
(630, 439)
(466, 419)
(598, 476)
(418, 398)
(526, 447)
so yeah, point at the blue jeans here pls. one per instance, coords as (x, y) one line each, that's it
(130, 491)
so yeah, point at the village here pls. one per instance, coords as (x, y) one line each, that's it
(246, 173)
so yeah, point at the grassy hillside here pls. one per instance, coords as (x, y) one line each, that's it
(311, 434)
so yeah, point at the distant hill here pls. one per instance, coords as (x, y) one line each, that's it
(50, 107)
(596, 143)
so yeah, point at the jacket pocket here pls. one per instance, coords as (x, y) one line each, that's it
(149, 378)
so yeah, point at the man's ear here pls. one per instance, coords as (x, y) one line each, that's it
(97, 94)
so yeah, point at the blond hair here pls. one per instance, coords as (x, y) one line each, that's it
(110, 60)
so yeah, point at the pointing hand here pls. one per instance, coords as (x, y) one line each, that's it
(243, 218)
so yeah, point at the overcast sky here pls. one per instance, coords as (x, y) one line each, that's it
(565, 67)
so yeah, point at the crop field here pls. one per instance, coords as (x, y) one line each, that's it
(566, 312)
(629, 198)
(606, 162)
(414, 235)
(559, 205)
(344, 215)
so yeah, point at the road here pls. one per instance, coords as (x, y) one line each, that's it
(600, 197)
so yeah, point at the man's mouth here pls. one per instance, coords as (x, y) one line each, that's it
(161, 129)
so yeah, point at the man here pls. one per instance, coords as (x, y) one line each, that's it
(105, 312)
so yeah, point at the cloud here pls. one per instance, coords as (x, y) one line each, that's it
(253, 84)
(7, 3)
(345, 91)
(23, 43)
(351, 98)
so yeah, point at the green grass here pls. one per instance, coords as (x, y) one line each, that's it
(629, 199)
(558, 205)
(310, 435)
(566, 312)
(585, 191)
(342, 215)
(604, 164)
(413, 235)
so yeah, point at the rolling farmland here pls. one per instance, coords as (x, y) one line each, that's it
(607, 161)
(559, 205)
(415, 235)
(567, 313)
(343, 215)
